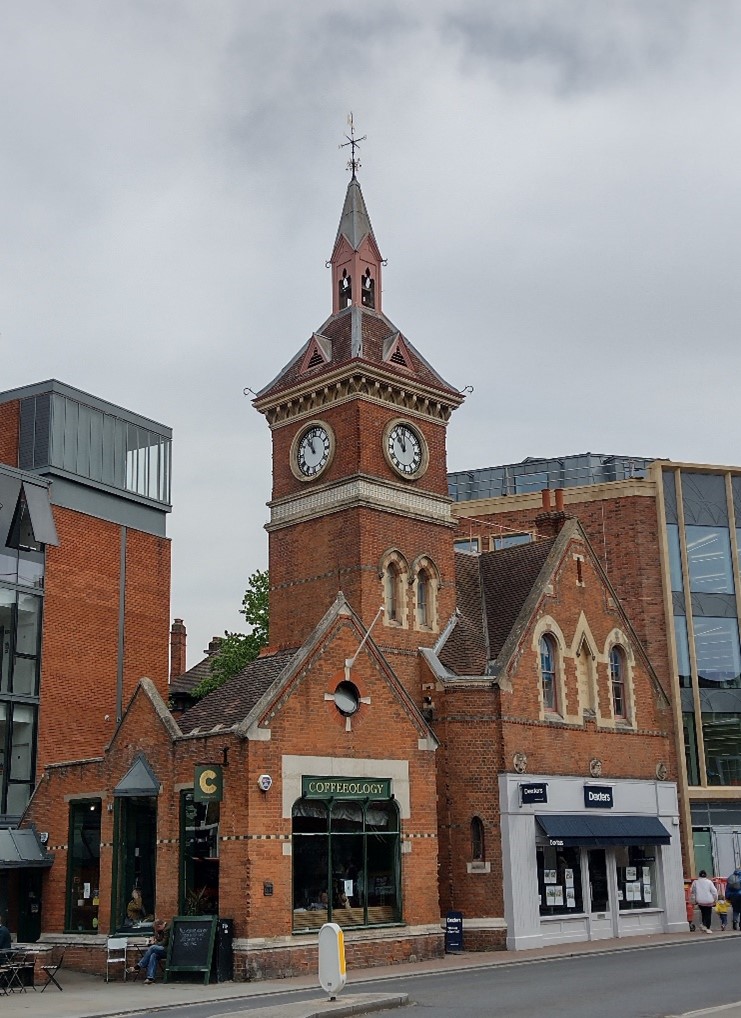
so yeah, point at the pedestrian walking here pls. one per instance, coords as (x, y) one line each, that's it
(705, 895)
(723, 907)
(733, 894)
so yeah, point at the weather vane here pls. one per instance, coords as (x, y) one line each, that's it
(353, 142)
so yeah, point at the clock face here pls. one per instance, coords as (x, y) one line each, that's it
(404, 448)
(314, 450)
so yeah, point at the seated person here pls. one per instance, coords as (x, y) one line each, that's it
(157, 949)
(6, 945)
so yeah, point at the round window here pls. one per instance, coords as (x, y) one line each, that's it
(346, 698)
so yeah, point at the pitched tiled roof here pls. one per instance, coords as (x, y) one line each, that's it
(507, 577)
(492, 589)
(465, 650)
(362, 334)
(232, 702)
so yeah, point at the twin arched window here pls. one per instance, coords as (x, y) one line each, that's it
(422, 583)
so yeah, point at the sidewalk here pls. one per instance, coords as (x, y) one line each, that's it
(91, 997)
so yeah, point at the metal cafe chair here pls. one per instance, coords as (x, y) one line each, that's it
(53, 967)
(117, 948)
(13, 970)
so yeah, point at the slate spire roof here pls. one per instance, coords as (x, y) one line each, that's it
(355, 224)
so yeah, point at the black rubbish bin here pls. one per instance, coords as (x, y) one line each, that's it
(222, 968)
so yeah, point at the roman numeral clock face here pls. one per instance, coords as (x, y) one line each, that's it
(312, 451)
(405, 449)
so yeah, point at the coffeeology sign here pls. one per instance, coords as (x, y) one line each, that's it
(345, 788)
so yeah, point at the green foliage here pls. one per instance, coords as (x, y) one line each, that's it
(238, 649)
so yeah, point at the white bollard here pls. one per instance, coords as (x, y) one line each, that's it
(332, 969)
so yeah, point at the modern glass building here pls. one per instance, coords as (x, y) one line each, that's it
(698, 536)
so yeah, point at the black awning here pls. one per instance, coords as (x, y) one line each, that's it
(20, 849)
(571, 830)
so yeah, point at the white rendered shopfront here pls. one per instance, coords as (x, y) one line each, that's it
(589, 859)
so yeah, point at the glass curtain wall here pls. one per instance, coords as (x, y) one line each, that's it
(703, 525)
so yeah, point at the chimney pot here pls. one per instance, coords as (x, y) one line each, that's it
(546, 494)
(559, 500)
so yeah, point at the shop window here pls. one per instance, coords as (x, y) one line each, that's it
(83, 867)
(617, 682)
(199, 856)
(346, 865)
(559, 881)
(548, 678)
(136, 838)
(636, 876)
(477, 840)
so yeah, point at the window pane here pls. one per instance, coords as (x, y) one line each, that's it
(683, 651)
(548, 672)
(511, 540)
(83, 886)
(717, 651)
(18, 796)
(559, 881)
(690, 748)
(722, 734)
(21, 742)
(7, 603)
(704, 499)
(470, 544)
(29, 617)
(636, 867)
(675, 559)
(617, 681)
(709, 560)
(24, 676)
(3, 768)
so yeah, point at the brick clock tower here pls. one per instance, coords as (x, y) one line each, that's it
(360, 498)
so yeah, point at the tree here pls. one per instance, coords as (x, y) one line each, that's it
(238, 649)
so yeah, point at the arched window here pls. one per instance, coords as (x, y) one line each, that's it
(392, 592)
(477, 840)
(423, 598)
(548, 657)
(617, 682)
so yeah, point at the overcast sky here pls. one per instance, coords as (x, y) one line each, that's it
(555, 186)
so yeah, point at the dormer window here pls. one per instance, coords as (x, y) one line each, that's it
(369, 290)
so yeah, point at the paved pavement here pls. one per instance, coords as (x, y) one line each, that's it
(91, 997)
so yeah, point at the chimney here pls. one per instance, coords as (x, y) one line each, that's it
(550, 520)
(178, 637)
(214, 645)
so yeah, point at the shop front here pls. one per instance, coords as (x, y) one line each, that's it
(589, 859)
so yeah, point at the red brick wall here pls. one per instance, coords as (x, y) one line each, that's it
(624, 533)
(383, 728)
(481, 730)
(80, 637)
(9, 423)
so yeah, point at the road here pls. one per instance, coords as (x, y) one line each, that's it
(641, 983)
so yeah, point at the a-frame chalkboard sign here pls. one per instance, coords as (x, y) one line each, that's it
(191, 945)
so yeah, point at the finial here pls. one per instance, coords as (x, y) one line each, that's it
(353, 142)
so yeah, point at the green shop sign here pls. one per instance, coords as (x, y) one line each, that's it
(345, 788)
(208, 784)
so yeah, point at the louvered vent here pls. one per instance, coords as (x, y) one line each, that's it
(315, 360)
(397, 357)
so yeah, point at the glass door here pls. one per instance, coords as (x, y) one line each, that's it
(600, 918)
